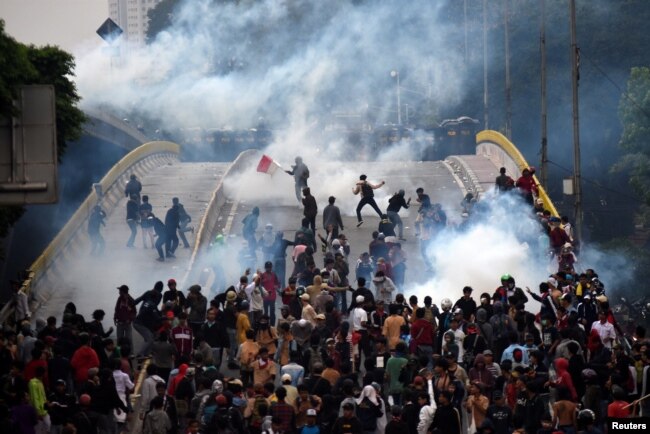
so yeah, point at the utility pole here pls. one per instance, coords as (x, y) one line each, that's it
(465, 29)
(542, 48)
(575, 54)
(506, 17)
(485, 68)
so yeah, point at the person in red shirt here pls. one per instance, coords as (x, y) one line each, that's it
(527, 185)
(183, 336)
(269, 281)
(83, 359)
(422, 333)
(618, 408)
(564, 378)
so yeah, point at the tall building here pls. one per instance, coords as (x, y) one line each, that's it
(131, 16)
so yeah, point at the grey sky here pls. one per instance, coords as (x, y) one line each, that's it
(69, 24)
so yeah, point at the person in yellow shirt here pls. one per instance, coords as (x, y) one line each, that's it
(243, 323)
(248, 351)
(392, 327)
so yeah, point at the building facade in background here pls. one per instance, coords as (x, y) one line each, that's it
(131, 16)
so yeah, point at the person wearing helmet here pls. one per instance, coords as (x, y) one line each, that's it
(586, 422)
(300, 173)
(395, 203)
(501, 293)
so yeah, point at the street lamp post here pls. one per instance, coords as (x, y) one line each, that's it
(395, 74)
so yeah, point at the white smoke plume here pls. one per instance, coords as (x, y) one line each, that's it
(294, 63)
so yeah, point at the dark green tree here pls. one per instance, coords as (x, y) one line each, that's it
(22, 64)
(634, 113)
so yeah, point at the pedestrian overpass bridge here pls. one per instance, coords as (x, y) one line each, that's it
(66, 271)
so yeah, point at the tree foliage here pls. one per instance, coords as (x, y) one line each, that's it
(22, 64)
(634, 113)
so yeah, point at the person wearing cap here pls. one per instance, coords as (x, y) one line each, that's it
(359, 319)
(60, 406)
(500, 414)
(173, 295)
(367, 196)
(348, 423)
(124, 315)
(308, 311)
(587, 311)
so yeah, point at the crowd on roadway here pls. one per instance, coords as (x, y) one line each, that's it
(349, 352)
(162, 236)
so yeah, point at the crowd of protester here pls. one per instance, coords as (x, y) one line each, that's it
(346, 353)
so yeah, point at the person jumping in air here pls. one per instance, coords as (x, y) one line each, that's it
(367, 196)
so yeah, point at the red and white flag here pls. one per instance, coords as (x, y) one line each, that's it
(267, 165)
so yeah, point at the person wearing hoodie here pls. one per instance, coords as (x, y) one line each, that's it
(367, 196)
(481, 374)
(563, 377)
(427, 405)
(156, 421)
(384, 287)
(368, 409)
(148, 389)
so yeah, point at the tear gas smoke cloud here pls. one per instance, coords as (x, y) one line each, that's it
(503, 237)
(293, 63)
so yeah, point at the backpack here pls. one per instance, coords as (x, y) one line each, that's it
(221, 422)
(366, 190)
(257, 417)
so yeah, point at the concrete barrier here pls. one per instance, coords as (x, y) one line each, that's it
(74, 235)
(206, 229)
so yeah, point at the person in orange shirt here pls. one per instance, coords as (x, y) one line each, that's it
(243, 323)
(248, 351)
(264, 369)
(392, 327)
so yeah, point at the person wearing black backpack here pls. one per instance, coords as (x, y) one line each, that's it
(367, 196)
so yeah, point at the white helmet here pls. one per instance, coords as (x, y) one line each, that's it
(445, 304)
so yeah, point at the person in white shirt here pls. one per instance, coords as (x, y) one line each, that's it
(359, 322)
(605, 329)
(427, 407)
